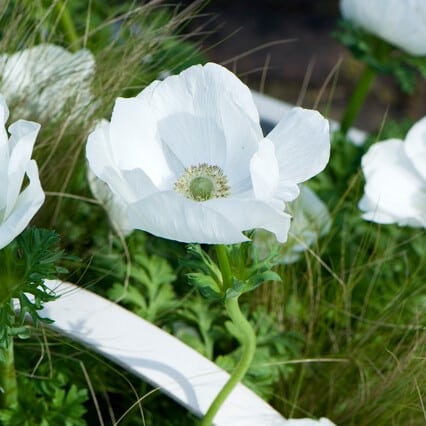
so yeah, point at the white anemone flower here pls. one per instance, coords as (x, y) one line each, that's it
(179, 155)
(47, 81)
(395, 174)
(399, 22)
(17, 208)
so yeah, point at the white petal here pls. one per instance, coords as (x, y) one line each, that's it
(127, 184)
(373, 212)
(193, 140)
(402, 23)
(98, 149)
(302, 147)
(252, 214)
(135, 142)
(242, 136)
(172, 216)
(396, 192)
(264, 171)
(22, 138)
(389, 152)
(28, 203)
(114, 206)
(197, 90)
(415, 147)
(206, 114)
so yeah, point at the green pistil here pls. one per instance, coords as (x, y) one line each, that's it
(201, 188)
(202, 183)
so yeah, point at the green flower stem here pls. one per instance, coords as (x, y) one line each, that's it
(247, 339)
(8, 384)
(224, 265)
(67, 25)
(358, 97)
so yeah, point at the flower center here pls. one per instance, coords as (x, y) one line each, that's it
(202, 183)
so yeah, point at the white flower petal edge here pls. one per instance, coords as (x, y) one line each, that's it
(46, 79)
(188, 159)
(115, 208)
(302, 149)
(17, 208)
(415, 146)
(402, 23)
(395, 189)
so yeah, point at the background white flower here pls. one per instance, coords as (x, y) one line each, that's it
(395, 174)
(400, 22)
(17, 208)
(179, 156)
(46, 81)
(310, 220)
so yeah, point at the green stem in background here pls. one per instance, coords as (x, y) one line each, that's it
(67, 25)
(357, 100)
(247, 339)
(224, 265)
(8, 384)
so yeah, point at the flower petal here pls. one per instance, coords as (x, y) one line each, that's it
(197, 90)
(302, 147)
(185, 220)
(242, 141)
(402, 23)
(395, 191)
(134, 124)
(127, 184)
(252, 214)
(27, 205)
(193, 140)
(415, 146)
(113, 205)
(206, 114)
(22, 138)
(264, 171)
(387, 152)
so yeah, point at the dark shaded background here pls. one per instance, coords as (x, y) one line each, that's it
(232, 32)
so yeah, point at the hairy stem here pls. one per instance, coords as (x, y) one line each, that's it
(8, 384)
(247, 339)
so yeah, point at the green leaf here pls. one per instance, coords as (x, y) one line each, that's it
(150, 292)
(25, 263)
(205, 274)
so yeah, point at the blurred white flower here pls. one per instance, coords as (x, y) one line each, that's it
(310, 220)
(188, 158)
(47, 81)
(17, 208)
(399, 22)
(395, 174)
